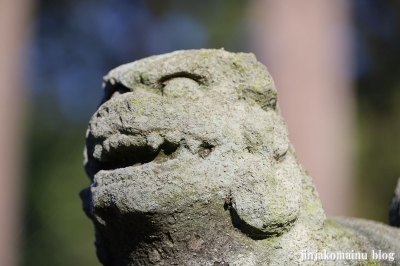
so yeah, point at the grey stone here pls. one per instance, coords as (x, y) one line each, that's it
(190, 164)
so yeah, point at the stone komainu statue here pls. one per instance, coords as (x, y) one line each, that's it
(190, 164)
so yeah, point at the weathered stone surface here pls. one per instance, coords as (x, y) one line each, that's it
(191, 164)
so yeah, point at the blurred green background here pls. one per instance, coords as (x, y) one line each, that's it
(75, 43)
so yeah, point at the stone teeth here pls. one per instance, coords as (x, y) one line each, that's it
(154, 140)
(118, 140)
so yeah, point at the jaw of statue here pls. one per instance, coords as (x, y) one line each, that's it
(185, 142)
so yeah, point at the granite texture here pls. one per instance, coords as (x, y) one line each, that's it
(190, 164)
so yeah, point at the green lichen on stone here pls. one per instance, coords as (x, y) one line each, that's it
(370, 262)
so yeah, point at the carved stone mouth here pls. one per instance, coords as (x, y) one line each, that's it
(123, 150)
(124, 156)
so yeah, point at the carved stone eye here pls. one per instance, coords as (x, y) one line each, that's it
(182, 87)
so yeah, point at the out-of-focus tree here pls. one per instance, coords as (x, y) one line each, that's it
(14, 15)
(307, 48)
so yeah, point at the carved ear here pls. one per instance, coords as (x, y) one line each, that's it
(265, 199)
(266, 191)
(249, 210)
